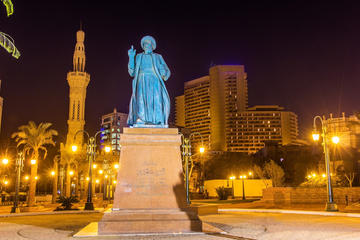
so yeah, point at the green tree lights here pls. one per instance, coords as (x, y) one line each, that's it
(9, 7)
(5, 40)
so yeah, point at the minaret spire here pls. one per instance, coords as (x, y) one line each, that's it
(78, 81)
(79, 53)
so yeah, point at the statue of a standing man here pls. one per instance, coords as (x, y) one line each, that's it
(150, 102)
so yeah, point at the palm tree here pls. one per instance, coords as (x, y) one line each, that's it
(34, 138)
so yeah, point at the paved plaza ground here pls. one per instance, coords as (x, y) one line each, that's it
(235, 225)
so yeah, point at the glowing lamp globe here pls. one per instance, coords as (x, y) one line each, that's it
(107, 149)
(5, 161)
(335, 139)
(316, 136)
(74, 148)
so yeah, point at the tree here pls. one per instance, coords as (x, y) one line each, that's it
(270, 170)
(34, 138)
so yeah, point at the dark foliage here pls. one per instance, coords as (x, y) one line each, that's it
(67, 202)
(222, 193)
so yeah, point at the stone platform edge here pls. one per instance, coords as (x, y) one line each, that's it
(92, 230)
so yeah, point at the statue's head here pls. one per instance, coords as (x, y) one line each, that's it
(148, 43)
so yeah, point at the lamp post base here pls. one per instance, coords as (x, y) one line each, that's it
(15, 210)
(89, 206)
(331, 207)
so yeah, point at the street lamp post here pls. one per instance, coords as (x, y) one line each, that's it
(232, 178)
(186, 152)
(90, 152)
(243, 186)
(330, 204)
(19, 168)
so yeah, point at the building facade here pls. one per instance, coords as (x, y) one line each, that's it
(197, 110)
(180, 111)
(228, 96)
(216, 106)
(112, 125)
(252, 128)
(346, 128)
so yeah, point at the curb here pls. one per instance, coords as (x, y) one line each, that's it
(320, 213)
(48, 213)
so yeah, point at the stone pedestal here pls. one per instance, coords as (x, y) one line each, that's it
(150, 195)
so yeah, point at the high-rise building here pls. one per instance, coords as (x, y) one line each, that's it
(211, 101)
(78, 81)
(216, 107)
(197, 109)
(180, 111)
(252, 128)
(228, 96)
(112, 125)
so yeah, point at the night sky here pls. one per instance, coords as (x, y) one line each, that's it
(302, 55)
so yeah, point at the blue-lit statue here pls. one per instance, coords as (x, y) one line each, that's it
(150, 102)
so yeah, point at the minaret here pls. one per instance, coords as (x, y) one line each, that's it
(78, 81)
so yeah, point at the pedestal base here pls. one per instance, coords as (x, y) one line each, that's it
(150, 193)
(149, 221)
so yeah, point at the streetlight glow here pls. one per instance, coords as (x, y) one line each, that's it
(33, 161)
(250, 173)
(335, 139)
(71, 173)
(26, 177)
(100, 171)
(114, 182)
(202, 149)
(74, 148)
(6, 182)
(5, 161)
(316, 136)
(36, 177)
(52, 173)
(323, 175)
(94, 166)
(97, 180)
(232, 177)
(116, 166)
(107, 149)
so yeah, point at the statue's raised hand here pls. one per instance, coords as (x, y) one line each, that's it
(132, 52)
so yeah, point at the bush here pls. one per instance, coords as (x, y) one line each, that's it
(222, 193)
(66, 202)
